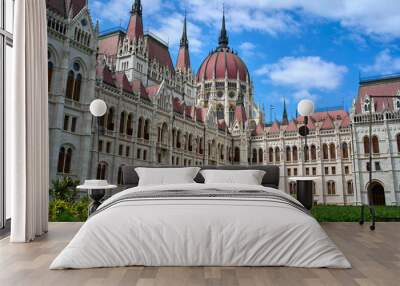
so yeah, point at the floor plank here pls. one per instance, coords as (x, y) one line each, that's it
(375, 257)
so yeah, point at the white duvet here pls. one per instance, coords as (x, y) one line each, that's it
(200, 231)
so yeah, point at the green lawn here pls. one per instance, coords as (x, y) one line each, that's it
(352, 213)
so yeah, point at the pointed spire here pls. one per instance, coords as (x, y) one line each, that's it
(285, 120)
(136, 8)
(183, 61)
(184, 38)
(223, 40)
(135, 26)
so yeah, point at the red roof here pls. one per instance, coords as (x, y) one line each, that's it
(221, 62)
(291, 126)
(201, 114)
(108, 76)
(240, 114)
(159, 51)
(189, 111)
(321, 116)
(60, 6)
(108, 45)
(122, 81)
(327, 124)
(177, 105)
(274, 128)
(138, 87)
(135, 27)
(152, 90)
(378, 88)
(345, 122)
(259, 130)
(183, 62)
(221, 124)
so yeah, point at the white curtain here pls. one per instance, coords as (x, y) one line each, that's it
(27, 124)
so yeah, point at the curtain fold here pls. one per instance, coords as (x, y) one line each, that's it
(27, 124)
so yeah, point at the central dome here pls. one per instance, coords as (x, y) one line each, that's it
(222, 61)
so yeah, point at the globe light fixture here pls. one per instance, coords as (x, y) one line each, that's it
(98, 108)
(305, 107)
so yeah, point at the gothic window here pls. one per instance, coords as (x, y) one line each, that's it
(237, 154)
(375, 144)
(277, 154)
(101, 173)
(120, 180)
(331, 188)
(122, 123)
(350, 187)
(147, 129)
(295, 156)
(398, 142)
(254, 156)
(74, 82)
(50, 68)
(220, 94)
(345, 151)
(231, 94)
(260, 155)
(110, 119)
(366, 144)
(288, 157)
(306, 154)
(231, 114)
(270, 155)
(313, 153)
(178, 139)
(129, 127)
(332, 151)
(220, 112)
(366, 104)
(64, 160)
(325, 151)
(140, 127)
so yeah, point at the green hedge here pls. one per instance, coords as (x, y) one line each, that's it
(326, 213)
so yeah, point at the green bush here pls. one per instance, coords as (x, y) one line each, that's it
(333, 213)
(64, 202)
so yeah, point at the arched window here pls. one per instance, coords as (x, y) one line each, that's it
(295, 154)
(120, 176)
(375, 144)
(260, 155)
(129, 127)
(270, 155)
(237, 154)
(140, 128)
(147, 129)
(306, 153)
(178, 140)
(288, 154)
(332, 151)
(350, 190)
(110, 119)
(277, 154)
(231, 114)
(331, 188)
(74, 82)
(50, 68)
(190, 143)
(366, 144)
(70, 85)
(254, 156)
(398, 142)
(345, 151)
(101, 171)
(122, 123)
(64, 160)
(325, 151)
(313, 153)
(220, 112)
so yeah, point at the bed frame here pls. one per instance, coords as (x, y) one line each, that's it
(271, 178)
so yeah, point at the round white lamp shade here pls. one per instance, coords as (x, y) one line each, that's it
(305, 107)
(98, 107)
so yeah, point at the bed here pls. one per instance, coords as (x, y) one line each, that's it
(201, 224)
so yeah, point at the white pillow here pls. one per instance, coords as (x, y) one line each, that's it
(247, 177)
(166, 176)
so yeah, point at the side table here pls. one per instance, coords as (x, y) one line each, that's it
(96, 190)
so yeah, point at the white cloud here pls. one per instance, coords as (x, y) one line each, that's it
(304, 94)
(247, 47)
(384, 63)
(304, 73)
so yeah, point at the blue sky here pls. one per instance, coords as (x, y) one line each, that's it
(294, 49)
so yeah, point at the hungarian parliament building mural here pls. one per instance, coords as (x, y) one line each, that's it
(161, 113)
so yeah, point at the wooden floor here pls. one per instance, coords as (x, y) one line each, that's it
(375, 257)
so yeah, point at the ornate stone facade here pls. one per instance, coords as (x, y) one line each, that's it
(165, 114)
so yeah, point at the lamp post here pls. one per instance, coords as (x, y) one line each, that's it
(304, 185)
(98, 108)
